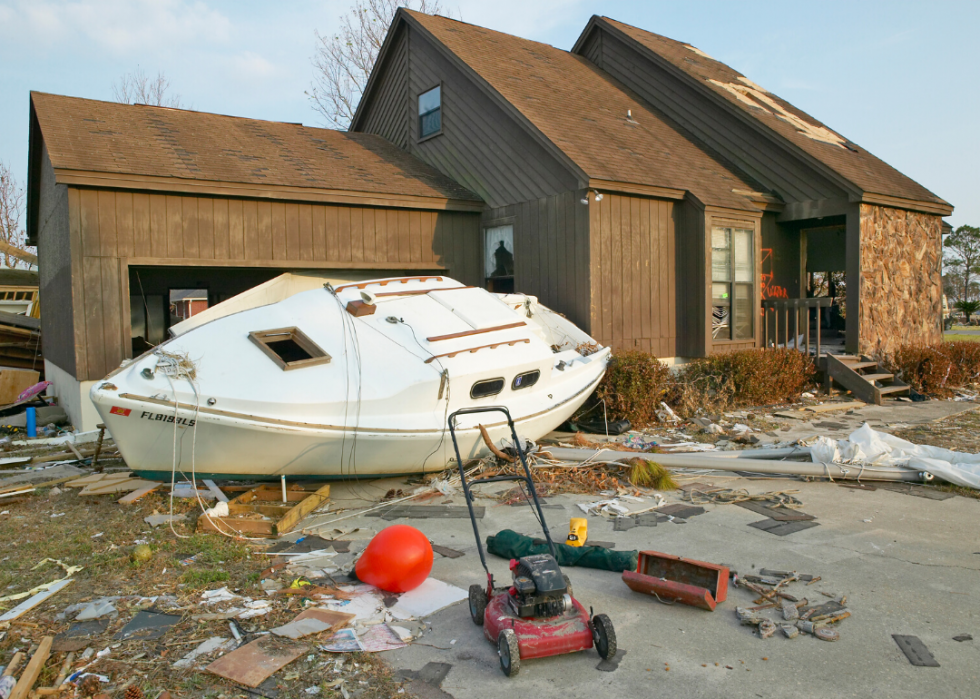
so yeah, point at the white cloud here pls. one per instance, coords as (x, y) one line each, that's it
(250, 65)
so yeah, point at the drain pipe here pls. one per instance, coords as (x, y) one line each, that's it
(718, 462)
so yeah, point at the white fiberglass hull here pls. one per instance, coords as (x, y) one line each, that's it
(242, 416)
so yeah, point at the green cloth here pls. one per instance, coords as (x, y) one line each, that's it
(510, 544)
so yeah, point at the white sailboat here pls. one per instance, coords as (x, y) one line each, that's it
(348, 382)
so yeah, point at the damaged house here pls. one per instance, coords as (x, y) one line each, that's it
(656, 197)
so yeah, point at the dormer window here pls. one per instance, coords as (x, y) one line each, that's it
(430, 112)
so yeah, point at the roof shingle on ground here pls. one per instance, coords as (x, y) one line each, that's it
(853, 163)
(583, 112)
(108, 137)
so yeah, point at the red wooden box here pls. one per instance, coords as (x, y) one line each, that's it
(696, 583)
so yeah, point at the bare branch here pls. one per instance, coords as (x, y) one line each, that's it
(138, 88)
(11, 209)
(344, 60)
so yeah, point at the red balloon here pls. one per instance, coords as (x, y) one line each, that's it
(398, 559)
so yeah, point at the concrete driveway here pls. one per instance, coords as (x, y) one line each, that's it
(908, 565)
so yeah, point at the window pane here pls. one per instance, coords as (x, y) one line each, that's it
(498, 256)
(720, 323)
(744, 315)
(721, 294)
(721, 258)
(430, 112)
(744, 263)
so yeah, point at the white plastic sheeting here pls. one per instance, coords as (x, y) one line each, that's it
(873, 448)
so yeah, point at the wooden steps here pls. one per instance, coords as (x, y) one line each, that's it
(861, 376)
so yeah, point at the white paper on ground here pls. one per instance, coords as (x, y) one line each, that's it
(367, 607)
(299, 628)
(868, 446)
(211, 645)
(428, 598)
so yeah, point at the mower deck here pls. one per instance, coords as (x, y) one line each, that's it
(537, 638)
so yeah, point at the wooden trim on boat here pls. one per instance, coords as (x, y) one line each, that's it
(419, 292)
(495, 345)
(385, 282)
(467, 333)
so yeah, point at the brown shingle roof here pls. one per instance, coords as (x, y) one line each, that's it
(107, 137)
(582, 111)
(851, 162)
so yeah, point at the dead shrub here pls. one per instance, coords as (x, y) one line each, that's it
(937, 369)
(744, 378)
(633, 387)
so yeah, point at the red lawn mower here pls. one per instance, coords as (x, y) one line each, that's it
(536, 616)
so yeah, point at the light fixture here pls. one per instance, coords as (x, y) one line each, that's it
(598, 196)
(595, 192)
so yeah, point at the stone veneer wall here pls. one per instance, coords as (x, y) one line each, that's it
(901, 281)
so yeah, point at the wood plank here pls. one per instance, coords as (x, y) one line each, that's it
(404, 238)
(258, 245)
(305, 232)
(120, 486)
(295, 515)
(382, 236)
(99, 478)
(107, 223)
(645, 289)
(175, 227)
(236, 229)
(415, 235)
(33, 669)
(215, 490)
(221, 229)
(344, 233)
(356, 234)
(159, 231)
(111, 311)
(667, 211)
(36, 599)
(142, 246)
(291, 221)
(205, 228)
(250, 527)
(369, 234)
(664, 275)
(428, 238)
(278, 230)
(125, 243)
(94, 333)
(616, 262)
(89, 220)
(319, 232)
(331, 216)
(138, 493)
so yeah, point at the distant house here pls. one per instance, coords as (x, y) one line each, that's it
(650, 193)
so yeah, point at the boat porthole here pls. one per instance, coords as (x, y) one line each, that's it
(487, 387)
(525, 380)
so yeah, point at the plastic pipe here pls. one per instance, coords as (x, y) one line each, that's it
(716, 463)
(32, 422)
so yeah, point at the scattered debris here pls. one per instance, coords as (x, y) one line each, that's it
(684, 580)
(915, 650)
(251, 664)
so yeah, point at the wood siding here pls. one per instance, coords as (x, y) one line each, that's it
(111, 230)
(388, 113)
(56, 269)
(634, 273)
(551, 252)
(736, 142)
(481, 146)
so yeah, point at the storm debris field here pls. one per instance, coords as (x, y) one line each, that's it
(137, 600)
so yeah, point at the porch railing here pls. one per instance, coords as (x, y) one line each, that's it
(788, 316)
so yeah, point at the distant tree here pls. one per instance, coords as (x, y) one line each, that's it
(343, 61)
(963, 244)
(138, 88)
(968, 308)
(11, 208)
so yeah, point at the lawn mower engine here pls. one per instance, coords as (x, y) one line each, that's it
(541, 589)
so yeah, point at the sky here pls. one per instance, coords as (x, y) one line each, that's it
(899, 78)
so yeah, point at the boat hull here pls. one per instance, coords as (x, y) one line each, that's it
(155, 438)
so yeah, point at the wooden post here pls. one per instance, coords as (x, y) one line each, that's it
(98, 445)
(33, 669)
(806, 310)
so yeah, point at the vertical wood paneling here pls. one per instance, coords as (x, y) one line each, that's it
(292, 232)
(365, 234)
(415, 235)
(277, 217)
(159, 228)
(221, 228)
(306, 232)
(107, 223)
(77, 282)
(192, 241)
(125, 243)
(319, 232)
(428, 224)
(332, 220)
(262, 240)
(92, 313)
(175, 227)
(644, 242)
(205, 228)
(236, 228)
(142, 245)
(343, 233)
(111, 311)
(89, 218)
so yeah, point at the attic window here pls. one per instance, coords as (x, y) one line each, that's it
(290, 348)
(430, 112)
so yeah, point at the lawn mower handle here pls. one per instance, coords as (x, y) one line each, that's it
(526, 478)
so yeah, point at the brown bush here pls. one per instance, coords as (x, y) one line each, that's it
(937, 369)
(745, 378)
(633, 387)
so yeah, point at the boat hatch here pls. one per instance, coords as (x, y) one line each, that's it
(477, 308)
(487, 387)
(290, 348)
(526, 380)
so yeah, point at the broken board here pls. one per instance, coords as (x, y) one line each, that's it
(261, 512)
(916, 651)
(251, 664)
